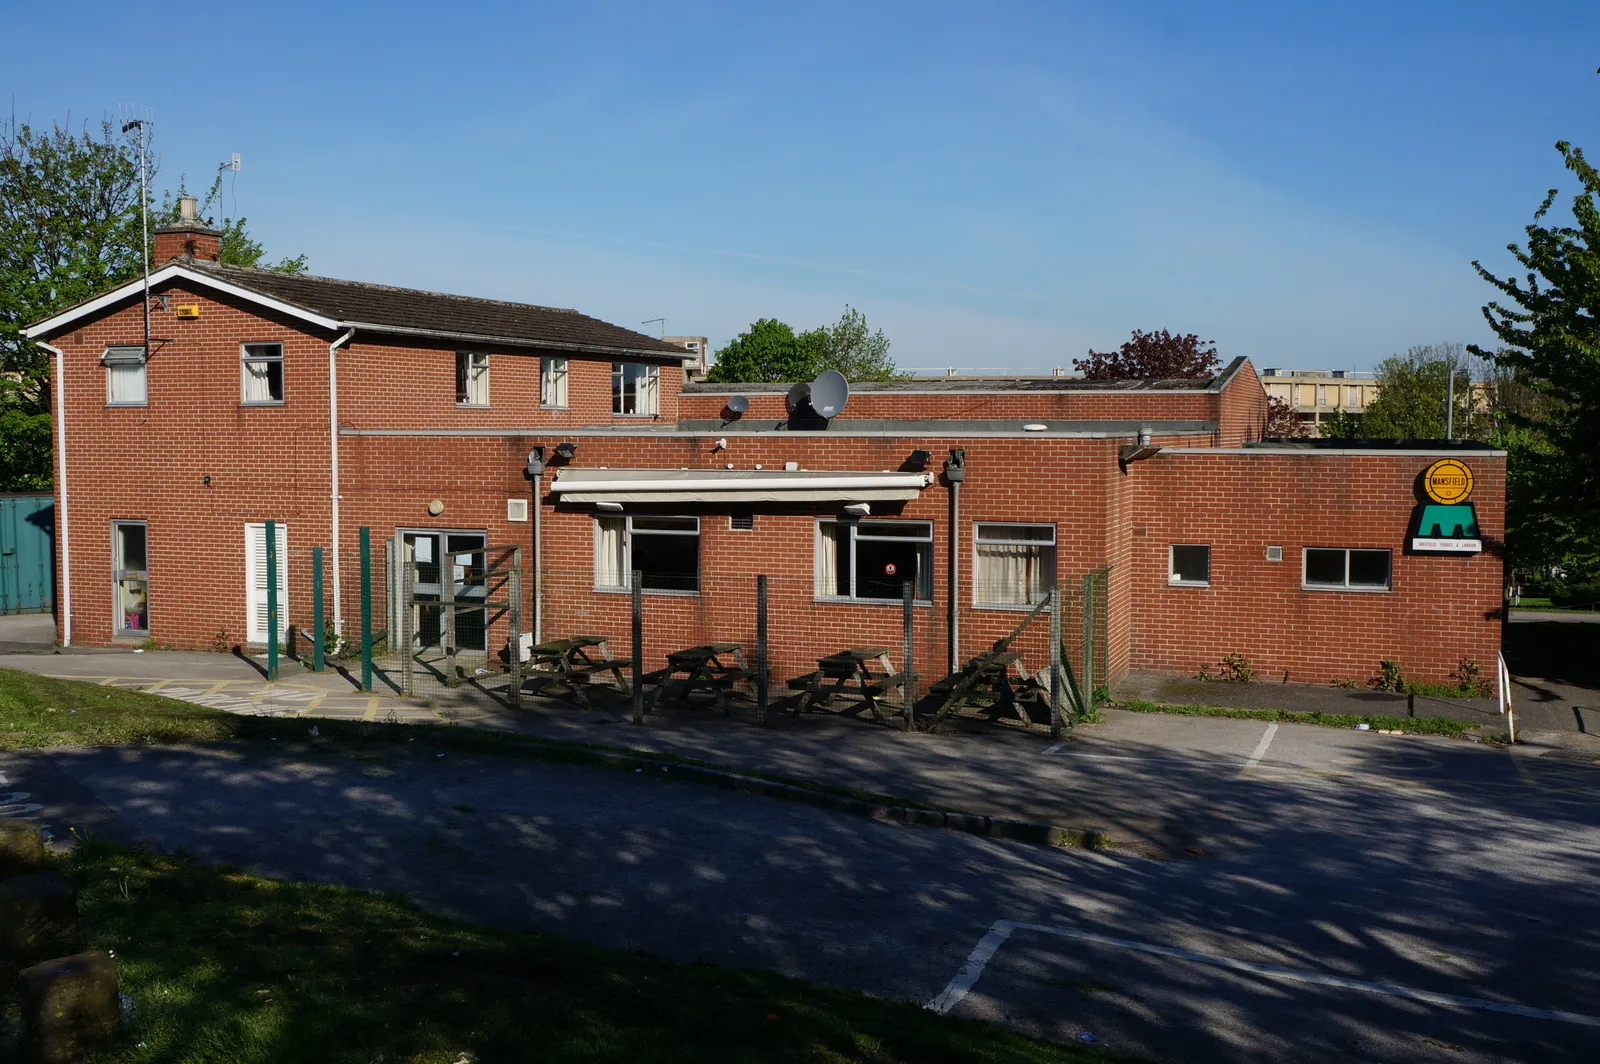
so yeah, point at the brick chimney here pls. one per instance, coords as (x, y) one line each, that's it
(188, 237)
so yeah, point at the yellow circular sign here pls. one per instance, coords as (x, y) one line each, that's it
(1447, 481)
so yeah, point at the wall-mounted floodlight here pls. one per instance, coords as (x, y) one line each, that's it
(918, 459)
(858, 509)
(609, 507)
(565, 451)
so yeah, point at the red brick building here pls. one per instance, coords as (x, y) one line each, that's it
(328, 405)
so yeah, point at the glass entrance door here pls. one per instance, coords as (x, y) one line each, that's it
(460, 557)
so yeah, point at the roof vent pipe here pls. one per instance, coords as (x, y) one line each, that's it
(1144, 436)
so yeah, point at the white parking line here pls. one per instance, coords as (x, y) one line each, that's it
(1261, 747)
(1001, 930)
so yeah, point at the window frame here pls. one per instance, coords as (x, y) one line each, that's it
(619, 378)
(1173, 579)
(1053, 543)
(550, 383)
(1362, 589)
(855, 524)
(627, 553)
(246, 357)
(464, 383)
(121, 359)
(119, 628)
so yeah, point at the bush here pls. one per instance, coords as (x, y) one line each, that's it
(1391, 677)
(1586, 595)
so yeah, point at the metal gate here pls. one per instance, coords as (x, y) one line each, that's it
(27, 568)
(460, 616)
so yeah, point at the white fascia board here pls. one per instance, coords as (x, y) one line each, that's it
(675, 481)
(174, 271)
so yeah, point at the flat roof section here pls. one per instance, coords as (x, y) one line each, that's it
(988, 385)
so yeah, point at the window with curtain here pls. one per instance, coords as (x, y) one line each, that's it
(262, 373)
(1014, 565)
(664, 550)
(553, 382)
(872, 560)
(472, 378)
(125, 376)
(635, 389)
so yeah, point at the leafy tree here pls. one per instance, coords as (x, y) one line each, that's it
(859, 354)
(767, 351)
(1550, 332)
(1155, 355)
(1282, 422)
(1341, 425)
(1412, 396)
(772, 351)
(69, 227)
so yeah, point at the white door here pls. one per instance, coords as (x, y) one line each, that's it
(255, 587)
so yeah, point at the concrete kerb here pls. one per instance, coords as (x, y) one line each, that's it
(1000, 828)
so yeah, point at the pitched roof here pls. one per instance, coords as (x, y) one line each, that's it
(333, 303)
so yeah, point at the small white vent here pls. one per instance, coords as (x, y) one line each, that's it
(1274, 554)
(516, 509)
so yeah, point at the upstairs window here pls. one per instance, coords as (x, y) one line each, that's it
(553, 382)
(125, 376)
(262, 373)
(635, 389)
(872, 560)
(1015, 565)
(472, 378)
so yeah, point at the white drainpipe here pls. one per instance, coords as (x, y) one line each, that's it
(333, 468)
(62, 539)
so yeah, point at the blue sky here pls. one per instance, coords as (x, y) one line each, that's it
(997, 185)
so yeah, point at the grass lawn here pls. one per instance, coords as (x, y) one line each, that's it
(227, 966)
(1533, 602)
(1415, 725)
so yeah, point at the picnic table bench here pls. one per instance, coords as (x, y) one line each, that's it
(989, 675)
(704, 669)
(851, 672)
(569, 663)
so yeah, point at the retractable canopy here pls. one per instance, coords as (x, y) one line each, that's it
(734, 485)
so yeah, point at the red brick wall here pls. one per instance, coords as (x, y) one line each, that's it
(148, 463)
(1241, 408)
(1441, 607)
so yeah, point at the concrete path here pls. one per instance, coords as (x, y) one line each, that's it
(1156, 784)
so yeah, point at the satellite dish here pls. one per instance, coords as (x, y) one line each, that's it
(738, 404)
(829, 392)
(798, 399)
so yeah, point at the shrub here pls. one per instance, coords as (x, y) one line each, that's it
(1586, 595)
(1469, 677)
(1391, 677)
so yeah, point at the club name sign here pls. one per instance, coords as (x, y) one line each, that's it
(1448, 522)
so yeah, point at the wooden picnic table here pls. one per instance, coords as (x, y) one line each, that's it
(989, 675)
(704, 668)
(852, 672)
(569, 663)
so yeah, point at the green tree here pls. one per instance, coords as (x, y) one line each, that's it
(1547, 323)
(856, 351)
(1157, 355)
(69, 227)
(771, 350)
(767, 351)
(1412, 396)
(1341, 425)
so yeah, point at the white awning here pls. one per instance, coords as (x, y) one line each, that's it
(734, 485)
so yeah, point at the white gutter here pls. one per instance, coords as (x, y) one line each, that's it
(333, 469)
(802, 482)
(63, 540)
